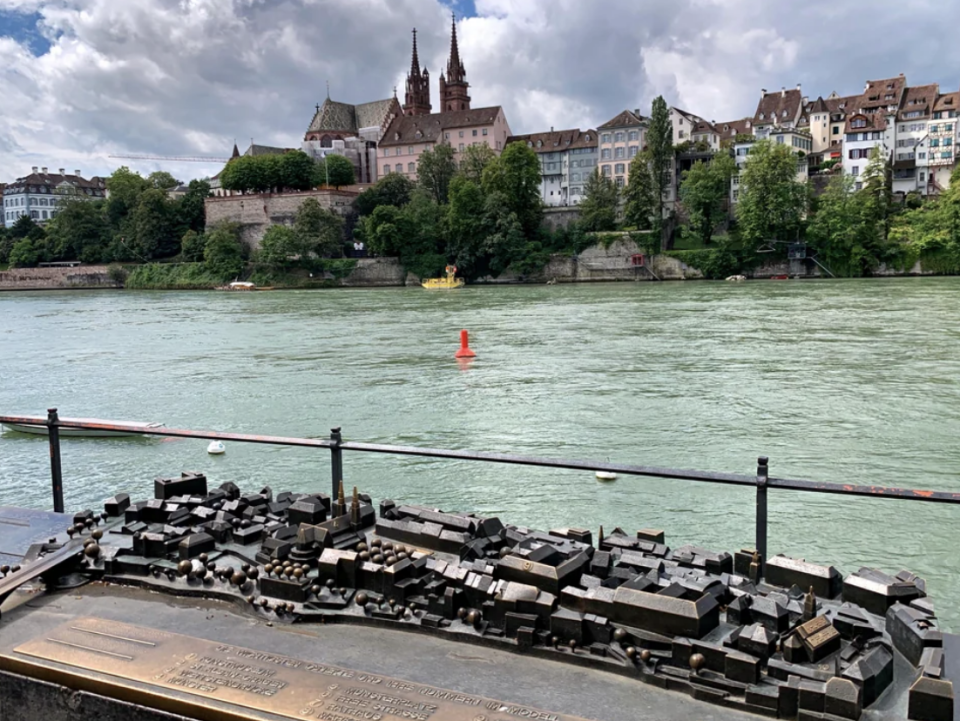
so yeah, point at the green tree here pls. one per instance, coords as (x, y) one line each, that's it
(6, 245)
(515, 176)
(392, 189)
(192, 246)
(191, 208)
(703, 192)
(660, 148)
(474, 160)
(843, 231)
(639, 205)
(318, 230)
(467, 224)
(125, 188)
(598, 209)
(435, 170)
(772, 200)
(24, 227)
(162, 180)
(506, 241)
(223, 253)
(243, 175)
(155, 226)
(878, 188)
(79, 231)
(26, 253)
(282, 248)
(297, 171)
(335, 171)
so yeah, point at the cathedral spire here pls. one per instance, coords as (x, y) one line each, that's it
(455, 71)
(454, 88)
(418, 85)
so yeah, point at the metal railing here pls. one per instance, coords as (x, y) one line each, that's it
(762, 482)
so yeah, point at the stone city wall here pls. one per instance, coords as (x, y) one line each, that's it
(256, 213)
(88, 276)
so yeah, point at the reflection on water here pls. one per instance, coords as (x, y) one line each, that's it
(836, 381)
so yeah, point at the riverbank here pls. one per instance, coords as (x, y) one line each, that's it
(619, 260)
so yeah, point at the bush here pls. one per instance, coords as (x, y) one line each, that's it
(192, 246)
(223, 254)
(172, 276)
(25, 253)
(118, 274)
(715, 264)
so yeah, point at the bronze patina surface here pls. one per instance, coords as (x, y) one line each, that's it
(216, 682)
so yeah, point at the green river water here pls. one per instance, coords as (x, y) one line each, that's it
(841, 381)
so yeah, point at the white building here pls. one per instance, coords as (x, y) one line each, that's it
(567, 159)
(941, 145)
(38, 195)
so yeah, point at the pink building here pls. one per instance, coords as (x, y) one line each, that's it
(408, 136)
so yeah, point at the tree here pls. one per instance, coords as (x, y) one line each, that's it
(772, 200)
(297, 171)
(703, 191)
(467, 224)
(515, 176)
(878, 189)
(79, 231)
(660, 148)
(24, 227)
(162, 180)
(223, 253)
(843, 231)
(435, 170)
(26, 253)
(598, 209)
(473, 161)
(336, 171)
(125, 188)
(154, 225)
(281, 247)
(191, 208)
(318, 230)
(392, 189)
(639, 204)
(192, 246)
(505, 241)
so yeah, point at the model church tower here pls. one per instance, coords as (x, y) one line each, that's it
(418, 86)
(454, 88)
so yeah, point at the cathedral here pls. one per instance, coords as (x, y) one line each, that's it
(453, 88)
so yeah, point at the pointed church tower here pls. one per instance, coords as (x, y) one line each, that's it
(418, 86)
(454, 89)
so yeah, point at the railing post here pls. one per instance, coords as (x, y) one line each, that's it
(762, 476)
(336, 462)
(53, 433)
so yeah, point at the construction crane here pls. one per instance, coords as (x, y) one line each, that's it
(186, 159)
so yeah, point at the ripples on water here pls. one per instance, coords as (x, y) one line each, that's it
(836, 381)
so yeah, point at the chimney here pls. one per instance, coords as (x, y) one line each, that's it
(783, 92)
(62, 171)
(798, 87)
(763, 91)
(551, 128)
(76, 172)
(35, 168)
(43, 170)
(636, 112)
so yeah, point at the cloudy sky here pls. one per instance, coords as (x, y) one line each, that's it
(81, 80)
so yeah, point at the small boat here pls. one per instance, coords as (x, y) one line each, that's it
(42, 430)
(606, 476)
(779, 277)
(216, 448)
(449, 283)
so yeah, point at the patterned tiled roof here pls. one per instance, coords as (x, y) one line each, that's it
(626, 119)
(778, 107)
(34, 181)
(882, 93)
(555, 140)
(345, 118)
(842, 105)
(429, 128)
(732, 128)
(946, 102)
(919, 99)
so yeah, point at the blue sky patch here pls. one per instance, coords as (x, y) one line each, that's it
(22, 27)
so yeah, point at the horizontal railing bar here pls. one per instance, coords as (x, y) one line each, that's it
(567, 464)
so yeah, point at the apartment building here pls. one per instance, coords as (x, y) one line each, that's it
(621, 139)
(40, 193)
(567, 158)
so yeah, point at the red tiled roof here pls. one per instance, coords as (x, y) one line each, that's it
(733, 128)
(921, 98)
(626, 119)
(778, 107)
(405, 129)
(946, 102)
(556, 140)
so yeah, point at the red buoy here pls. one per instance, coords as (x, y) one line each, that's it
(465, 351)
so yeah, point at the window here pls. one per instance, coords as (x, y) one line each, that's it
(858, 186)
(923, 176)
(946, 155)
(736, 195)
(921, 156)
(634, 135)
(605, 154)
(681, 135)
(779, 140)
(948, 128)
(386, 169)
(484, 131)
(836, 130)
(935, 143)
(618, 137)
(410, 150)
(619, 169)
(386, 152)
(398, 152)
(575, 177)
(461, 146)
(858, 123)
(913, 114)
(411, 168)
(947, 141)
(634, 150)
(461, 133)
(903, 128)
(446, 136)
(855, 171)
(607, 171)
(621, 153)
(605, 138)
(619, 181)
(44, 214)
(736, 180)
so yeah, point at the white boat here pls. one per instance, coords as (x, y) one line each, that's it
(216, 448)
(42, 430)
(606, 476)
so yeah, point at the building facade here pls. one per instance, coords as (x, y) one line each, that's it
(778, 109)
(567, 159)
(39, 194)
(941, 146)
(620, 140)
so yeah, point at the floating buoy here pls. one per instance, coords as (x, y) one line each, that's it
(216, 448)
(465, 351)
(606, 476)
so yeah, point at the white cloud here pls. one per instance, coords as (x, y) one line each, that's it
(187, 78)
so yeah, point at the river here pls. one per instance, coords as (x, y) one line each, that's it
(841, 381)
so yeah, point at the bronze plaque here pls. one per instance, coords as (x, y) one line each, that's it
(219, 681)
